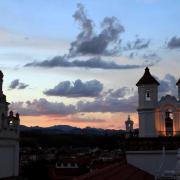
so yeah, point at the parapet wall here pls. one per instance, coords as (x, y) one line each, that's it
(9, 157)
(153, 162)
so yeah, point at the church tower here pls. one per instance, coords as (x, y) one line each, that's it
(148, 101)
(178, 84)
(3, 104)
(9, 138)
(129, 124)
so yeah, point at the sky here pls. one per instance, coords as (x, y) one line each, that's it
(77, 62)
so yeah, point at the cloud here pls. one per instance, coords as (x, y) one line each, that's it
(87, 120)
(174, 43)
(111, 101)
(88, 42)
(97, 62)
(151, 59)
(124, 99)
(92, 46)
(132, 55)
(168, 85)
(77, 89)
(16, 84)
(42, 106)
(109, 104)
(116, 100)
(138, 44)
(121, 92)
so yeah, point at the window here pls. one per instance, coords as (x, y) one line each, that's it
(148, 97)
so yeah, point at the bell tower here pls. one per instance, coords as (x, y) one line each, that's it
(148, 100)
(3, 103)
(129, 124)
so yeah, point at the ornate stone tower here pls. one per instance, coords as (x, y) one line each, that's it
(129, 124)
(9, 138)
(178, 84)
(3, 104)
(148, 101)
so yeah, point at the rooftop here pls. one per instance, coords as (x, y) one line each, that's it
(147, 78)
(117, 171)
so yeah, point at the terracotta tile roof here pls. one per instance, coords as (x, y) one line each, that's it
(147, 78)
(118, 171)
(178, 82)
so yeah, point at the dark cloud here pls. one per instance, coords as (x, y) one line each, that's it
(121, 92)
(77, 89)
(16, 84)
(109, 104)
(174, 43)
(88, 42)
(61, 61)
(42, 106)
(168, 85)
(112, 101)
(123, 99)
(138, 44)
(116, 100)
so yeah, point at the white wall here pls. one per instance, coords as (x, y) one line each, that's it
(150, 161)
(9, 158)
(147, 123)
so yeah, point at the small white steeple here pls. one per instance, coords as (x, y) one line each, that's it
(129, 124)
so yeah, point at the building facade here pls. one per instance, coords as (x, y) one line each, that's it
(157, 117)
(9, 138)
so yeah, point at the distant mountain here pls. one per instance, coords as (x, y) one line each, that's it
(65, 129)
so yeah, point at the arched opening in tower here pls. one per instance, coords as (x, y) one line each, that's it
(169, 123)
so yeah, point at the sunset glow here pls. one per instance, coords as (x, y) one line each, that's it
(77, 62)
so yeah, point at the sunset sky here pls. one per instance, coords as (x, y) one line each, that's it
(77, 62)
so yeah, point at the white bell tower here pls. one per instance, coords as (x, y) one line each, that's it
(148, 100)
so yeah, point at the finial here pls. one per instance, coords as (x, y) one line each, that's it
(146, 69)
(17, 115)
(129, 117)
(11, 113)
